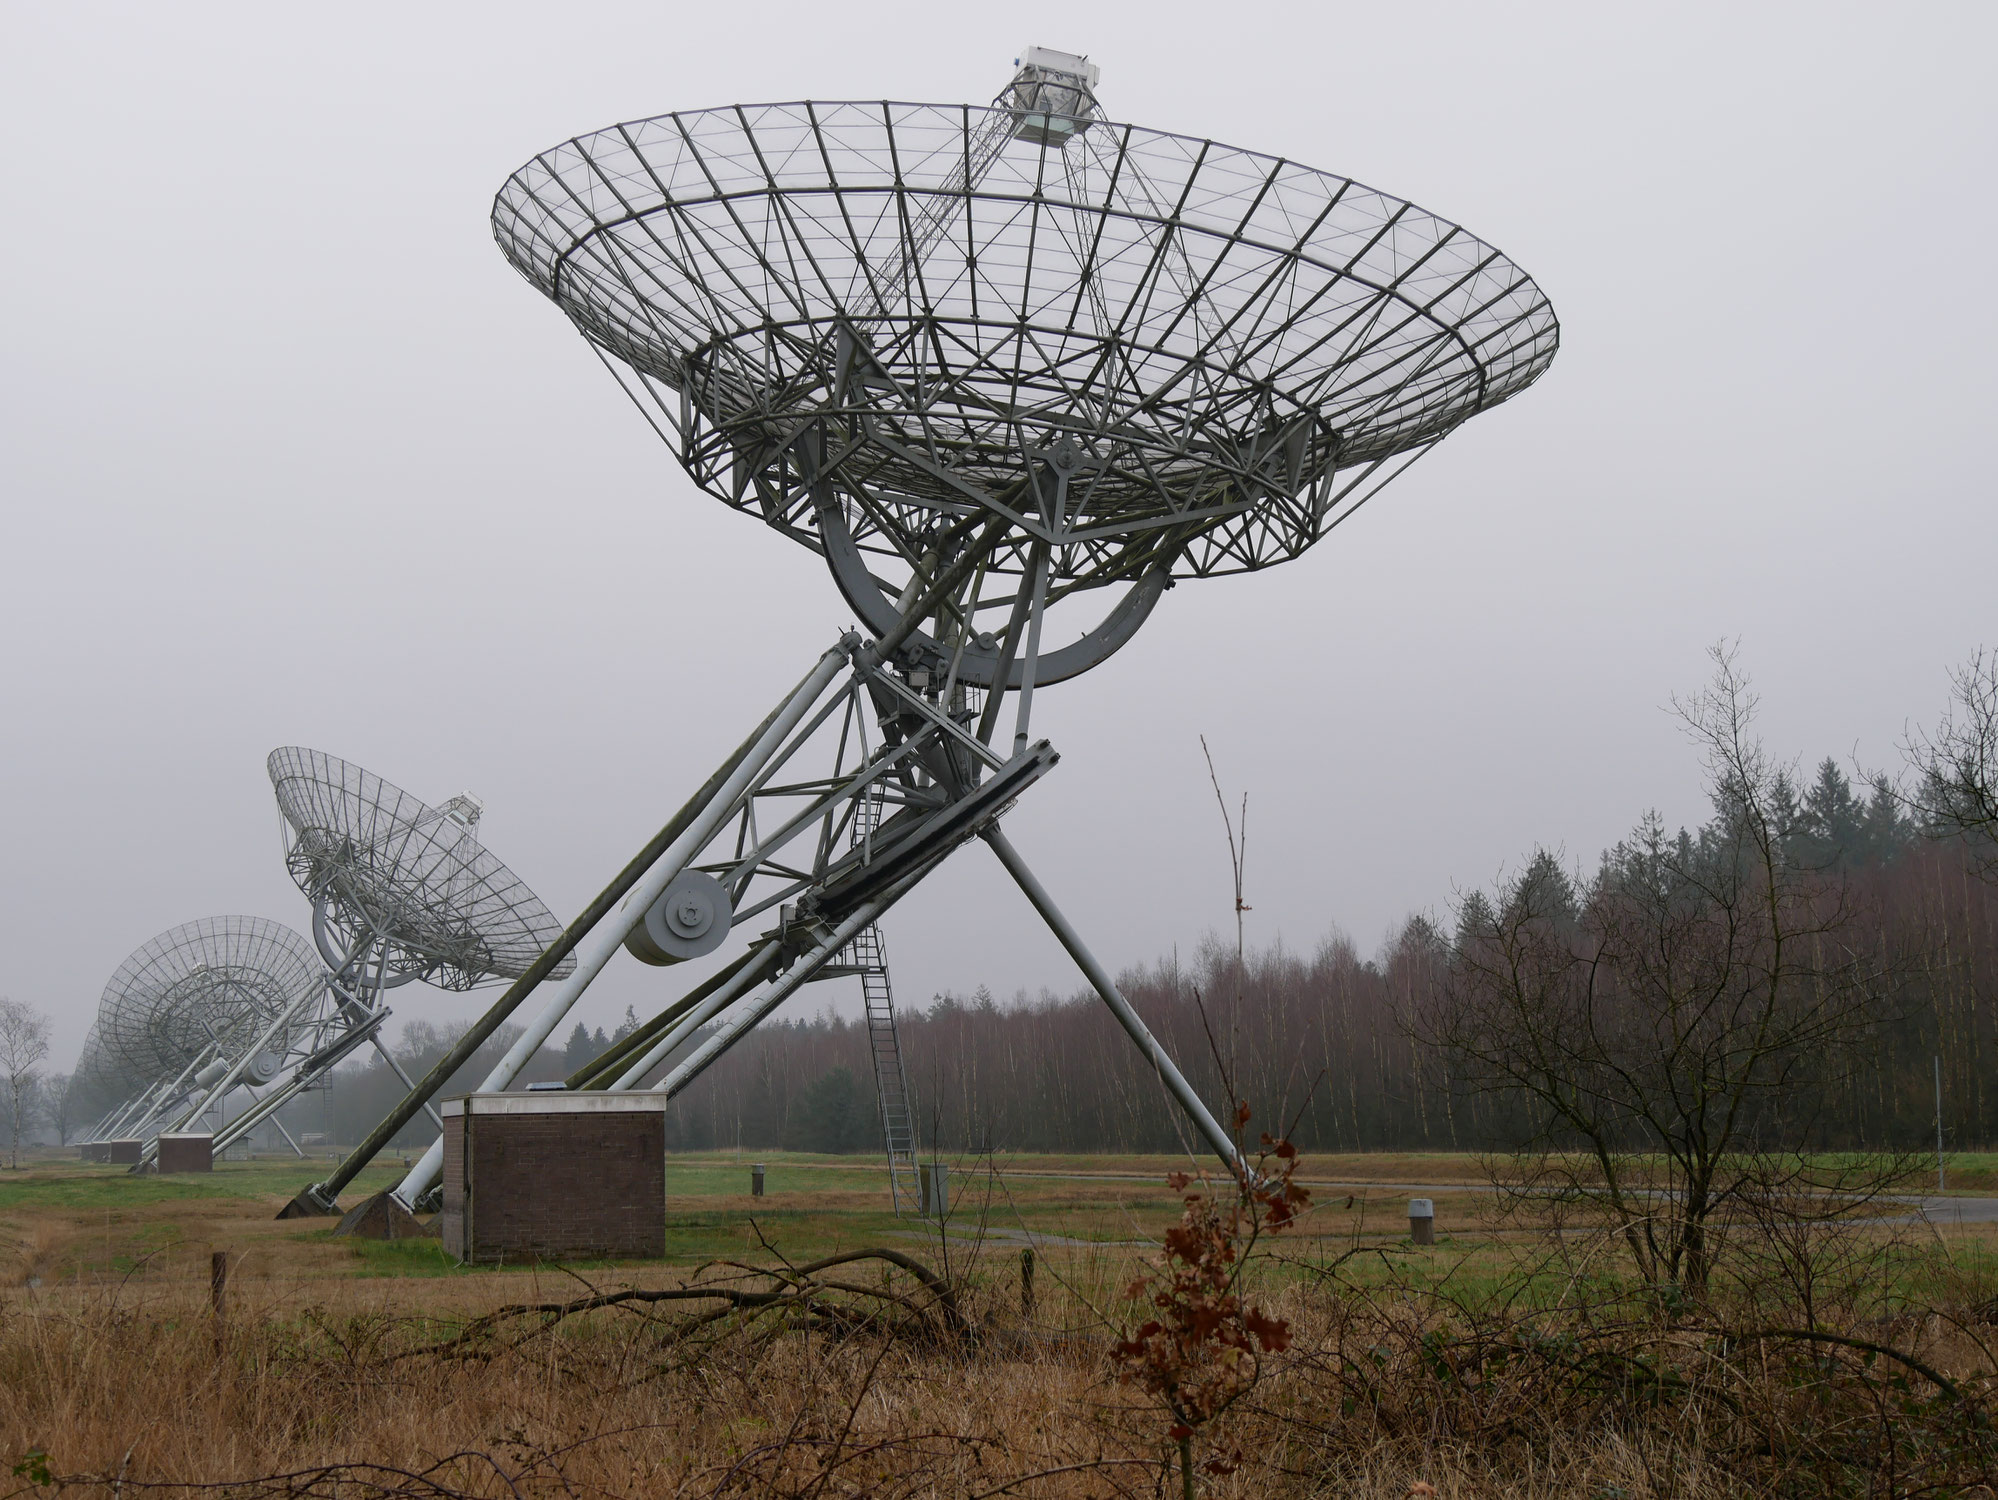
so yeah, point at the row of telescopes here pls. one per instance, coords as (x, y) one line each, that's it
(1011, 371)
(215, 1025)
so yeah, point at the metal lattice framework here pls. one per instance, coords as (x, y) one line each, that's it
(985, 361)
(207, 1011)
(386, 868)
(862, 321)
(194, 985)
(101, 1082)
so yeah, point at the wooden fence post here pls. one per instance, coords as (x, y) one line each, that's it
(218, 1287)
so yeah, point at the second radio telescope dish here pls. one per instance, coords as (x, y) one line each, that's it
(410, 877)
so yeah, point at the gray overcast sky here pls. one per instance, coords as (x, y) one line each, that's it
(289, 455)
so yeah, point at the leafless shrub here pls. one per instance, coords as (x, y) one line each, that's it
(1672, 1032)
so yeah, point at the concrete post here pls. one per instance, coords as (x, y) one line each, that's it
(934, 1179)
(1422, 1221)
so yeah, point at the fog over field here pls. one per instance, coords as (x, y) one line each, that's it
(289, 455)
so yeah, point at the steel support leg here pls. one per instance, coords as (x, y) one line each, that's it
(597, 949)
(752, 1015)
(407, 1082)
(759, 967)
(636, 887)
(602, 1071)
(303, 1078)
(423, 1176)
(601, 945)
(1098, 976)
(149, 1153)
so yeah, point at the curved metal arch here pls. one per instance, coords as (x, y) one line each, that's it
(337, 963)
(978, 665)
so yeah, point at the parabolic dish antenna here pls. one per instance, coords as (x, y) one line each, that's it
(987, 361)
(400, 891)
(220, 976)
(204, 1009)
(411, 881)
(864, 322)
(98, 1083)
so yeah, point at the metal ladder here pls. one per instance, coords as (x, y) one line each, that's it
(867, 955)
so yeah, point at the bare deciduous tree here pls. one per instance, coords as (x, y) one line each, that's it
(1238, 852)
(1672, 1029)
(61, 1093)
(1238, 856)
(24, 1042)
(1955, 782)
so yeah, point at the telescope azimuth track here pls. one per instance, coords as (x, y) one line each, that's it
(989, 362)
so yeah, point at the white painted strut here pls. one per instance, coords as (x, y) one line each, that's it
(1175, 1081)
(696, 1018)
(780, 990)
(608, 935)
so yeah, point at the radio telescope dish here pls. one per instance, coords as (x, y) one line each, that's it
(387, 870)
(864, 322)
(989, 362)
(205, 1009)
(218, 977)
(99, 1083)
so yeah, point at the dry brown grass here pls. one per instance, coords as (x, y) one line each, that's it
(1505, 1364)
(337, 1387)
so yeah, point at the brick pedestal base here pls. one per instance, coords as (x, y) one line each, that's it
(546, 1176)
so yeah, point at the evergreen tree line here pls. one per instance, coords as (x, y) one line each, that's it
(1322, 1038)
(1811, 950)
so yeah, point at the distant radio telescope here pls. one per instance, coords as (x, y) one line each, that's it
(208, 1010)
(400, 888)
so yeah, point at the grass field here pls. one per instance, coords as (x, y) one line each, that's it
(1477, 1365)
(60, 1218)
(63, 1219)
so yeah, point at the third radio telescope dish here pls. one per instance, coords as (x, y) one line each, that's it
(215, 982)
(201, 1012)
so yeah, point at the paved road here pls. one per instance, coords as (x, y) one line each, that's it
(1954, 1210)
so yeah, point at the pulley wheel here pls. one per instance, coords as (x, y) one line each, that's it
(690, 918)
(262, 1069)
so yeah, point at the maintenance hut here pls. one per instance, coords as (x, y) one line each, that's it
(186, 1153)
(546, 1175)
